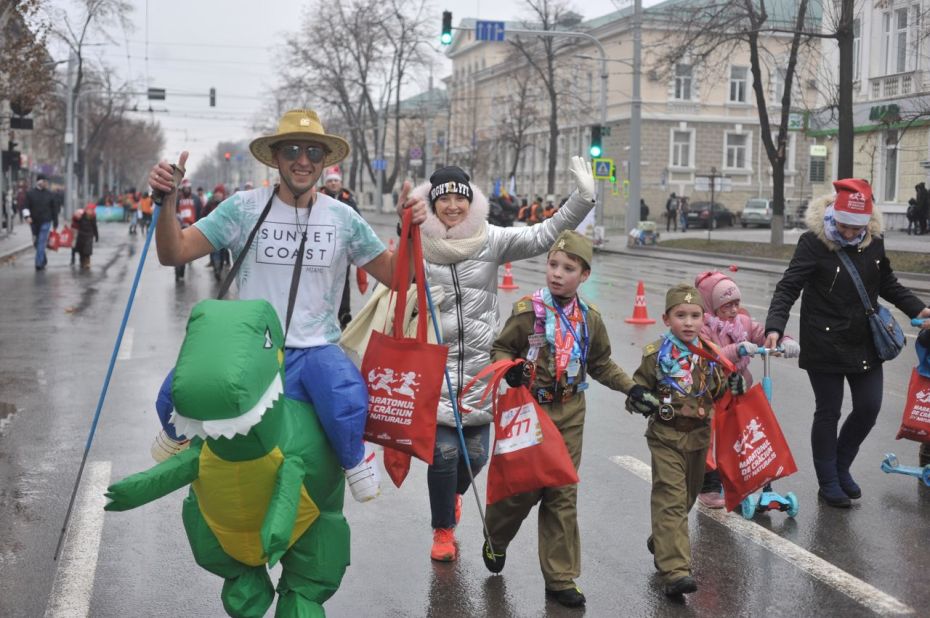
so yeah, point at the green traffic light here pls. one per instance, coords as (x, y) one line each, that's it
(446, 38)
(595, 151)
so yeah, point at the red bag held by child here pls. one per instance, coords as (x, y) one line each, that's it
(915, 425)
(750, 448)
(404, 376)
(66, 238)
(529, 452)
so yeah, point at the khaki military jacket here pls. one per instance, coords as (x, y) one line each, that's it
(689, 407)
(513, 342)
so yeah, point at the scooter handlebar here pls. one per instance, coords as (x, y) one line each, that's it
(918, 322)
(762, 351)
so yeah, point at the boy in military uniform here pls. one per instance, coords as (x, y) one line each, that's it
(687, 374)
(563, 340)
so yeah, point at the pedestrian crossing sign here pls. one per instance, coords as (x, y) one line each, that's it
(601, 168)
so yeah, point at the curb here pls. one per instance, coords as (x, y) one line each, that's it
(6, 255)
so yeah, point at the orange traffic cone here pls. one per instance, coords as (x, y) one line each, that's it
(507, 283)
(640, 315)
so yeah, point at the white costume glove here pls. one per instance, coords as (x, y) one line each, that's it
(584, 179)
(164, 447)
(748, 348)
(364, 479)
(792, 349)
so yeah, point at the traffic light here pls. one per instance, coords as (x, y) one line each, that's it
(446, 36)
(212, 97)
(613, 173)
(227, 156)
(595, 149)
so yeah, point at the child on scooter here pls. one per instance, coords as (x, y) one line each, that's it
(730, 327)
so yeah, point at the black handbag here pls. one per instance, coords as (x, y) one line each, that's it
(886, 333)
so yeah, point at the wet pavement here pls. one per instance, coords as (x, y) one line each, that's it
(57, 335)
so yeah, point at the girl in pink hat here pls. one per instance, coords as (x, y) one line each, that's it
(730, 327)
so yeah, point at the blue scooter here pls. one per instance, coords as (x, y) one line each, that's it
(769, 499)
(891, 465)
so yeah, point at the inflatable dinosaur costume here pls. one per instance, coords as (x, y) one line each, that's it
(265, 484)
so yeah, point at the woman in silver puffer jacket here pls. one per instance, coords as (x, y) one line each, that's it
(463, 253)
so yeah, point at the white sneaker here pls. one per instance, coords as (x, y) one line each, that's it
(164, 447)
(365, 479)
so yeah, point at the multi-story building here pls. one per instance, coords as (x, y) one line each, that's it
(695, 117)
(891, 103)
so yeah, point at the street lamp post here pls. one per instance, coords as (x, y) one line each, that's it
(636, 105)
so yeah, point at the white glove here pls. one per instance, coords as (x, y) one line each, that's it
(792, 349)
(748, 348)
(584, 179)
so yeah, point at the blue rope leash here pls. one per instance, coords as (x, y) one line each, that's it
(106, 380)
(458, 417)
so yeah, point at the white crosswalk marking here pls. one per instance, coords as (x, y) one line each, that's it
(859, 591)
(77, 565)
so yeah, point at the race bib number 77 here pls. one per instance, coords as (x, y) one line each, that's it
(522, 430)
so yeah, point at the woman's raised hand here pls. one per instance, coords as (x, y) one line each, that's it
(584, 179)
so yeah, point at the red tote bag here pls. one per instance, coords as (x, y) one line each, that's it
(53, 239)
(529, 452)
(404, 375)
(750, 448)
(915, 425)
(66, 238)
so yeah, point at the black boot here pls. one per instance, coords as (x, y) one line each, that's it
(830, 490)
(849, 486)
(925, 454)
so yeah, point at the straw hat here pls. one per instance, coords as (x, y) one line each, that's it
(300, 124)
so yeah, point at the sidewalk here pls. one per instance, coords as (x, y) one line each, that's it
(20, 239)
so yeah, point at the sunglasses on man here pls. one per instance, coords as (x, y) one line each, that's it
(291, 152)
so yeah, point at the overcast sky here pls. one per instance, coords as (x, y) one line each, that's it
(194, 45)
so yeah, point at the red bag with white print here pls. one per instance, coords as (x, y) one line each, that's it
(404, 375)
(750, 447)
(915, 425)
(529, 452)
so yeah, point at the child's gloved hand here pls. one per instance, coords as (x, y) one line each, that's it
(737, 383)
(516, 376)
(642, 401)
(584, 179)
(790, 348)
(748, 348)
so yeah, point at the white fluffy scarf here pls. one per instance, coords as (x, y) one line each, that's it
(442, 245)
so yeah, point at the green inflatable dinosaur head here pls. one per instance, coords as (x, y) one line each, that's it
(227, 378)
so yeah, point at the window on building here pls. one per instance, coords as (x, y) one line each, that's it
(681, 149)
(737, 144)
(901, 40)
(891, 165)
(683, 77)
(818, 169)
(886, 42)
(857, 44)
(738, 80)
(778, 83)
(590, 88)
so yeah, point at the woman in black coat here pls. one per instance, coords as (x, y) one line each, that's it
(836, 343)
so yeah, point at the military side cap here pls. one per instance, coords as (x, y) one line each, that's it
(573, 243)
(682, 294)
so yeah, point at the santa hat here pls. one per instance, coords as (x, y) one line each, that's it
(853, 203)
(332, 173)
(716, 290)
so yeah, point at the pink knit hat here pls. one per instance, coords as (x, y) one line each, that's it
(716, 289)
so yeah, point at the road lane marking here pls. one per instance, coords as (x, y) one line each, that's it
(125, 348)
(859, 591)
(77, 565)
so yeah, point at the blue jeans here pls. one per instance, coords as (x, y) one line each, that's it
(42, 243)
(323, 376)
(448, 475)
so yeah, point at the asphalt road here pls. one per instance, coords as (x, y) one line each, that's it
(57, 334)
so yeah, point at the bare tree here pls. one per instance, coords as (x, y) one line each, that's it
(709, 32)
(542, 54)
(518, 115)
(26, 76)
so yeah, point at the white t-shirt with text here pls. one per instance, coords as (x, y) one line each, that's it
(336, 235)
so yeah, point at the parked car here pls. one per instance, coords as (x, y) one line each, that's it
(699, 215)
(757, 212)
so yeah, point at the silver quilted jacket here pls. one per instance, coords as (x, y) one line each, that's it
(469, 307)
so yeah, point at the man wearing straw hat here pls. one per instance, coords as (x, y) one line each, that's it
(334, 235)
